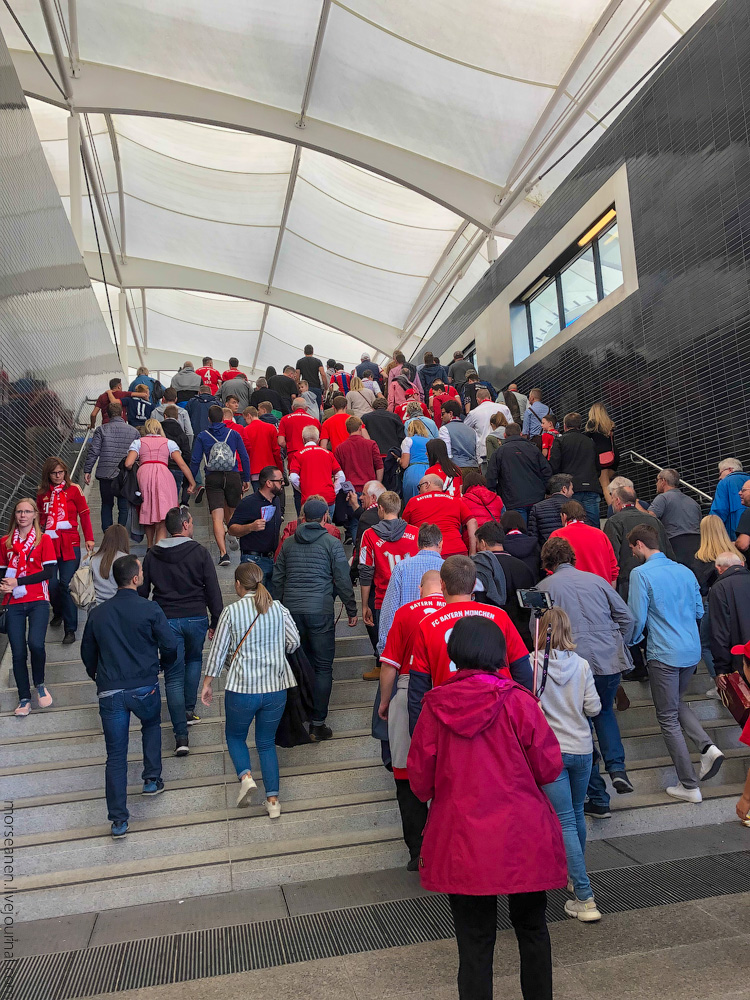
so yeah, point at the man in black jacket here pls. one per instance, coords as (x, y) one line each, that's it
(184, 582)
(123, 642)
(518, 472)
(518, 576)
(575, 453)
(544, 517)
(311, 569)
(729, 610)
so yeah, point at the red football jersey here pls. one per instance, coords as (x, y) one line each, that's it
(291, 426)
(451, 484)
(398, 645)
(231, 373)
(262, 443)
(334, 429)
(316, 468)
(210, 377)
(430, 649)
(383, 556)
(36, 560)
(447, 512)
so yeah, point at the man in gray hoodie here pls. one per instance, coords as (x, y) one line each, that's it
(187, 382)
(310, 571)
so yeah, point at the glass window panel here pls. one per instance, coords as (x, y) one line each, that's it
(609, 255)
(579, 286)
(545, 318)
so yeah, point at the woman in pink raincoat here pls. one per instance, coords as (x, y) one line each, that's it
(480, 751)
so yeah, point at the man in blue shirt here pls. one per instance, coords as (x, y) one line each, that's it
(665, 598)
(224, 486)
(532, 415)
(727, 503)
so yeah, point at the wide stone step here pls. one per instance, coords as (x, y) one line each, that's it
(656, 811)
(33, 754)
(235, 867)
(82, 692)
(67, 810)
(654, 774)
(59, 720)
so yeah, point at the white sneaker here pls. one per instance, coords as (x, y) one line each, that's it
(246, 789)
(711, 761)
(713, 693)
(273, 809)
(679, 791)
(583, 909)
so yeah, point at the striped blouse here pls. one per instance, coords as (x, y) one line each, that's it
(260, 666)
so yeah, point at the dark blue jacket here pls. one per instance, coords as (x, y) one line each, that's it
(204, 442)
(123, 641)
(197, 409)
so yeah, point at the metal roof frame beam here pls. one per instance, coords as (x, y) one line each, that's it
(143, 273)
(314, 58)
(109, 89)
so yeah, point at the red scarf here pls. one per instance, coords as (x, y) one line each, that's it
(20, 551)
(56, 508)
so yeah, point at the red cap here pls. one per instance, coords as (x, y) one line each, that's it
(739, 650)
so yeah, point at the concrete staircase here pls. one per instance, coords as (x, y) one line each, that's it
(339, 817)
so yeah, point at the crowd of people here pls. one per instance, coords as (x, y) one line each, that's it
(441, 500)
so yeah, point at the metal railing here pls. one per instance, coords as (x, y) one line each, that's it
(637, 459)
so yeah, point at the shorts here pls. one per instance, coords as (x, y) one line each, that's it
(223, 488)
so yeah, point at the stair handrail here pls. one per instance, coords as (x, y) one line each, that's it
(638, 459)
(80, 454)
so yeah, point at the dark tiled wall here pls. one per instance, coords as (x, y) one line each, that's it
(672, 362)
(55, 349)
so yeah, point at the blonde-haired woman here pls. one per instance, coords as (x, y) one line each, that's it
(714, 541)
(253, 637)
(27, 561)
(156, 482)
(568, 701)
(414, 459)
(359, 400)
(600, 427)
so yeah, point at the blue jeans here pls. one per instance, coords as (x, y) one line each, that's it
(704, 628)
(590, 503)
(608, 735)
(318, 393)
(59, 591)
(108, 505)
(145, 704)
(567, 793)
(182, 677)
(318, 640)
(265, 561)
(266, 709)
(36, 613)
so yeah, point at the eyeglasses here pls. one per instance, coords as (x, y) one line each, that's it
(275, 480)
(57, 472)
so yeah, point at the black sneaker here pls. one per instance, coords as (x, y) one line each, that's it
(320, 732)
(56, 621)
(224, 560)
(637, 674)
(192, 718)
(70, 638)
(598, 812)
(413, 865)
(199, 494)
(621, 782)
(182, 747)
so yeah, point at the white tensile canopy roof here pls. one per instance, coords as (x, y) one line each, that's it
(278, 172)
